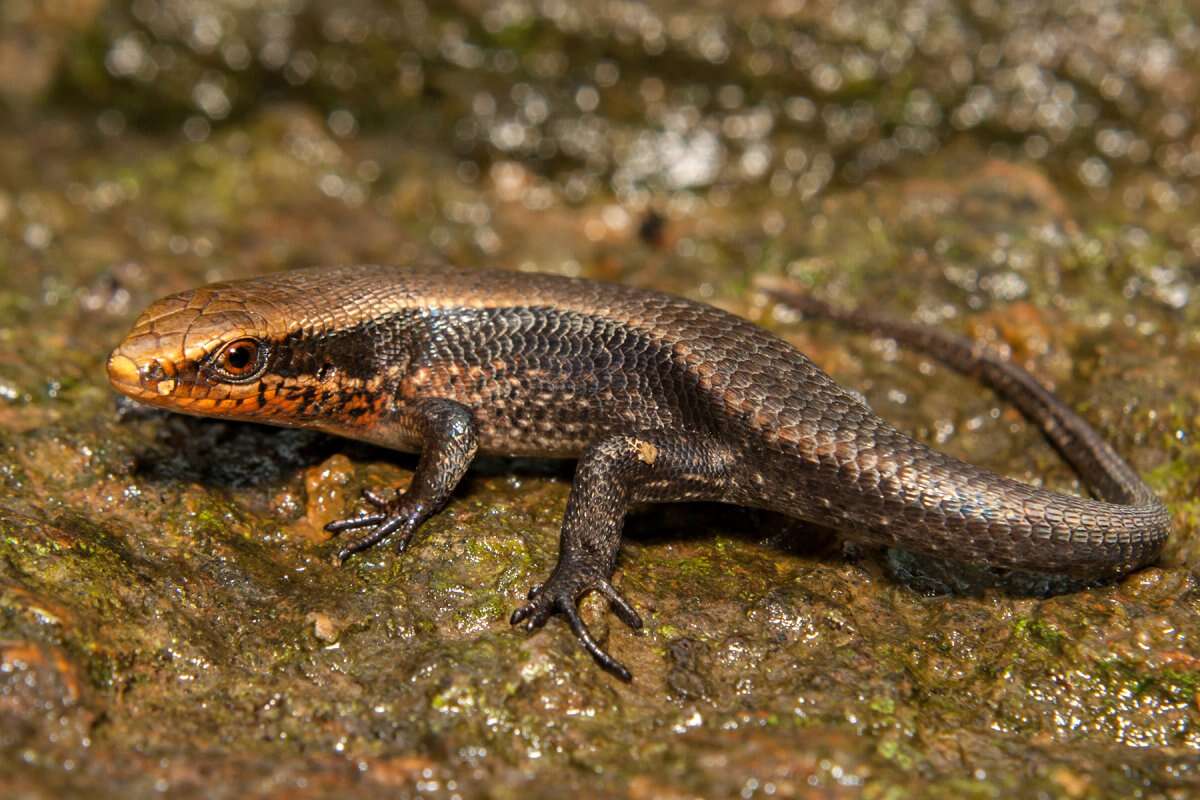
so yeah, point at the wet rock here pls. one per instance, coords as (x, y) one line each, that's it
(44, 719)
(168, 617)
(33, 39)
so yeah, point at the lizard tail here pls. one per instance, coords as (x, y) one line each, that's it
(1136, 523)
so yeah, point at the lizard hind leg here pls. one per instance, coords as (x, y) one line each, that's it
(612, 474)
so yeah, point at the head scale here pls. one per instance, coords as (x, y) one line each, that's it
(208, 351)
(286, 349)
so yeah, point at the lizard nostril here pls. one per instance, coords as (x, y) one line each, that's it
(153, 373)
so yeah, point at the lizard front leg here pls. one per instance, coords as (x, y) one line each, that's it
(448, 444)
(612, 474)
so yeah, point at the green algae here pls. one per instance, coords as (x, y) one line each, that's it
(1041, 634)
(169, 618)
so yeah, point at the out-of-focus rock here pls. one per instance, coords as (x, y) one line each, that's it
(33, 37)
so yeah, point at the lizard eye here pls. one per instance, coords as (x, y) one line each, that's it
(240, 361)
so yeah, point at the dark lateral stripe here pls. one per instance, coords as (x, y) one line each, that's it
(356, 350)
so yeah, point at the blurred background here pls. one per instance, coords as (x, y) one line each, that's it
(448, 124)
(1025, 172)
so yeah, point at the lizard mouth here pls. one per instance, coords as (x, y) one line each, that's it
(147, 362)
(123, 373)
(149, 381)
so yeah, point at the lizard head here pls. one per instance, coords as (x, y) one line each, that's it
(207, 352)
(296, 348)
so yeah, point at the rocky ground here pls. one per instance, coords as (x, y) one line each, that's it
(170, 623)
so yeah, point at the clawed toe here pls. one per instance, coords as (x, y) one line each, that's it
(547, 600)
(386, 528)
(585, 638)
(349, 524)
(620, 606)
(398, 515)
(375, 499)
(534, 613)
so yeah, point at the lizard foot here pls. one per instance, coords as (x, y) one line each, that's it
(399, 517)
(560, 595)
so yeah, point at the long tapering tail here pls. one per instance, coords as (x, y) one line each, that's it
(1124, 529)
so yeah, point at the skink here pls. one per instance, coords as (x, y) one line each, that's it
(659, 398)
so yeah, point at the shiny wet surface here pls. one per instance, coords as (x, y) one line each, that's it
(169, 621)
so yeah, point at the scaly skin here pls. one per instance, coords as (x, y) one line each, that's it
(660, 399)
